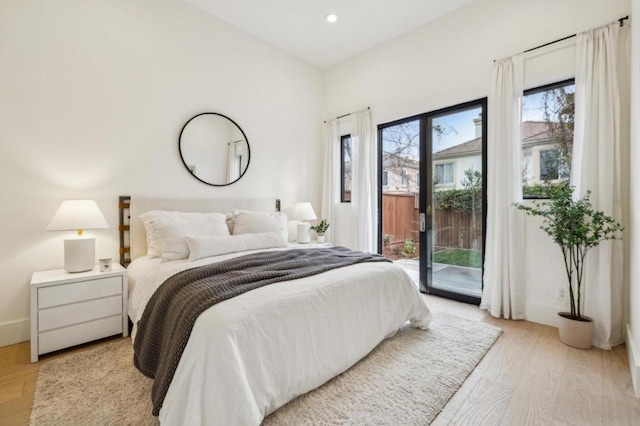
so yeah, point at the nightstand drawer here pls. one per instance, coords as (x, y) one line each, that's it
(61, 316)
(77, 292)
(49, 341)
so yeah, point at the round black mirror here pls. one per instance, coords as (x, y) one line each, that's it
(214, 149)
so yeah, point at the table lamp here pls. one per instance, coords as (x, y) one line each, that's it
(80, 250)
(304, 211)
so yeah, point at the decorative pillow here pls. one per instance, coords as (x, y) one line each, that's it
(251, 222)
(166, 230)
(200, 247)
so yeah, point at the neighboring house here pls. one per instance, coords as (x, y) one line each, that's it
(539, 158)
(401, 176)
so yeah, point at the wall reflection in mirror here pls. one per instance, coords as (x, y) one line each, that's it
(214, 149)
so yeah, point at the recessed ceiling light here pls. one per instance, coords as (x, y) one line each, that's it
(331, 18)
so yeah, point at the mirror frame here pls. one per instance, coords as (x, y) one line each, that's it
(185, 163)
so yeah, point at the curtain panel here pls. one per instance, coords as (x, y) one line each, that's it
(365, 180)
(330, 173)
(596, 167)
(504, 290)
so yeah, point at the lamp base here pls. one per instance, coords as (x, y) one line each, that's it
(79, 254)
(304, 236)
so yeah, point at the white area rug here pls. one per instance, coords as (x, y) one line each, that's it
(407, 379)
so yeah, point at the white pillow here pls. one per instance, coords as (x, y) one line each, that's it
(166, 230)
(153, 242)
(251, 222)
(200, 247)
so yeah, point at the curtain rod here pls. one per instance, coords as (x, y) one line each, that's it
(621, 20)
(346, 115)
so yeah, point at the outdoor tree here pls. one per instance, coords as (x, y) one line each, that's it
(559, 116)
(472, 183)
(401, 147)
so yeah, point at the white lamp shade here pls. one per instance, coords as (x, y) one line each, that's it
(304, 211)
(77, 215)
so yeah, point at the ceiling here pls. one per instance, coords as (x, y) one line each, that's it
(299, 26)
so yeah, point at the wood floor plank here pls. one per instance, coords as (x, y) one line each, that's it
(556, 422)
(621, 406)
(520, 338)
(549, 351)
(11, 390)
(534, 398)
(485, 405)
(16, 412)
(579, 400)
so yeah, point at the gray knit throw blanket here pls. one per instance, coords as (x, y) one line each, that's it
(165, 326)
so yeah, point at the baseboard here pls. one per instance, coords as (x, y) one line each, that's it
(634, 360)
(14, 332)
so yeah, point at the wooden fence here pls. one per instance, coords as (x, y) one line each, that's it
(400, 219)
(455, 229)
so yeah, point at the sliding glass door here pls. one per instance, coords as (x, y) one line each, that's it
(454, 201)
(433, 197)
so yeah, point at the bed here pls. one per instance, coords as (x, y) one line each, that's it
(249, 355)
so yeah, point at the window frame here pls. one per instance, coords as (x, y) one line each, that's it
(343, 140)
(533, 91)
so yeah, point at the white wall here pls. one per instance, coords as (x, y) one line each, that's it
(92, 99)
(633, 327)
(448, 62)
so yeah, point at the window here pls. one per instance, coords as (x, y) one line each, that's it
(444, 174)
(547, 136)
(553, 166)
(385, 178)
(418, 179)
(345, 169)
(405, 181)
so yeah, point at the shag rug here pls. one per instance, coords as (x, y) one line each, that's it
(407, 379)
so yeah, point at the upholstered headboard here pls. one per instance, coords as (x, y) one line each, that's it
(139, 205)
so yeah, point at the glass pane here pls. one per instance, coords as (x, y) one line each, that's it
(455, 236)
(547, 137)
(400, 190)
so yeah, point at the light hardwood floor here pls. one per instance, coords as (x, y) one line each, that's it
(527, 378)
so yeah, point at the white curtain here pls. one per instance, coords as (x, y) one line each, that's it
(596, 167)
(504, 293)
(364, 178)
(330, 174)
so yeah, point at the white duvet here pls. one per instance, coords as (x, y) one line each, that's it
(250, 355)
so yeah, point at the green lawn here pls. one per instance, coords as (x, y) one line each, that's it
(460, 257)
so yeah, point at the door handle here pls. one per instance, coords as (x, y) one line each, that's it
(423, 222)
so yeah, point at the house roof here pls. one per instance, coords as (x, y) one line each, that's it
(532, 132)
(472, 146)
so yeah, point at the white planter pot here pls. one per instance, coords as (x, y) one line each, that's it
(577, 334)
(321, 238)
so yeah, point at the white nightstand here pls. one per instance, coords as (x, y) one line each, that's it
(311, 244)
(68, 309)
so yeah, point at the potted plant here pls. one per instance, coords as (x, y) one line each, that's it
(320, 229)
(577, 228)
